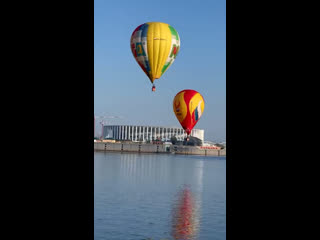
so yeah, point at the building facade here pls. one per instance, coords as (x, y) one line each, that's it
(147, 133)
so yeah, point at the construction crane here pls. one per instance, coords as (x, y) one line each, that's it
(101, 129)
(102, 121)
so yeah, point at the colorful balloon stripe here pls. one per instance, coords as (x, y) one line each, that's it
(188, 106)
(155, 46)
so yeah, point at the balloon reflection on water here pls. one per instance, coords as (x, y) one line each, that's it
(185, 222)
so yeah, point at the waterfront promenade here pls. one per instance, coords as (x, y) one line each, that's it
(157, 148)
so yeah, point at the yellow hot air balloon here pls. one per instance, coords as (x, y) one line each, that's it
(155, 46)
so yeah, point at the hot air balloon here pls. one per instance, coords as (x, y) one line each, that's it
(188, 106)
(155, 46)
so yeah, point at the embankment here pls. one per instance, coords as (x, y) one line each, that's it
(157, 148)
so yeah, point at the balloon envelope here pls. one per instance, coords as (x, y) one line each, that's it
(188, 106)
(155, 46)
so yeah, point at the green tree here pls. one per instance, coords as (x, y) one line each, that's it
(174, 140)
(193, 141)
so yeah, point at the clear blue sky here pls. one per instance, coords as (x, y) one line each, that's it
(121, 88)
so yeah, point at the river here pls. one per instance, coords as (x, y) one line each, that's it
(159, 197)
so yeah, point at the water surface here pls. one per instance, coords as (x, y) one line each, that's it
(159, 196)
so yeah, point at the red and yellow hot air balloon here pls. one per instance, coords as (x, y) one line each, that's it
(188, 106)
(154, 46)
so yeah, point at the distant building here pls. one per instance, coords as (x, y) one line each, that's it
(147, 133)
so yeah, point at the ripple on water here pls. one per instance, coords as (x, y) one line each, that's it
(137, 197)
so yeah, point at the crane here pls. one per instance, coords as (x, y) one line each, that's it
(102, 121)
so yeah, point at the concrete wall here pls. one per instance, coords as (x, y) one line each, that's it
(130, 147)
(157, 148)
(190, 150)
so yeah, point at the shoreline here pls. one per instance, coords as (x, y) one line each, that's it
(133, 147)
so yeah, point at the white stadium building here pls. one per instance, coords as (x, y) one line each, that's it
(147, 133)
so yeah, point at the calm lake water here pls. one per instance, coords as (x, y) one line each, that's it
(159, 197)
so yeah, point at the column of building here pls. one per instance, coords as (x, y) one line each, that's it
(128, 136)
(112, 127)
(122, 132)
(127, 131)
(117, 132)
(130, 133)
(135, 133)
(147, 136)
